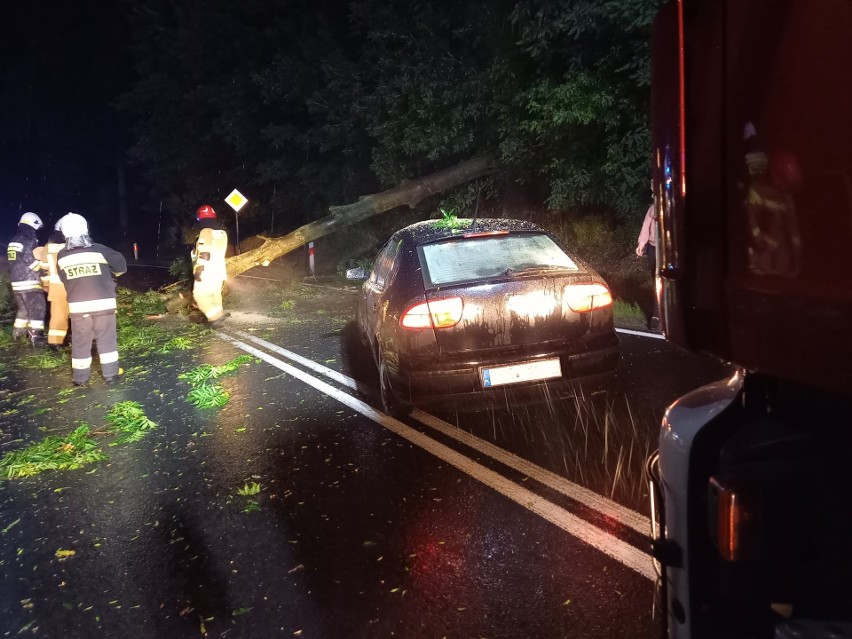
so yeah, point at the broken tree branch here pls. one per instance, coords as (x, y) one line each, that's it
(409, 193)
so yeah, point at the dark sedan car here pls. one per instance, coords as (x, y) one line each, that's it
(482, 311)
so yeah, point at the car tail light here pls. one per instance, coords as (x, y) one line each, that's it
(433, 314)
(587, 297)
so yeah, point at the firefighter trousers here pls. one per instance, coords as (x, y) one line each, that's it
(208, 296)
(58, 327)
(31, 310)
(101, 329)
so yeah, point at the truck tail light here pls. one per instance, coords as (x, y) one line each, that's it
(586, 297)
(729, 520)
(433, 314)
(737, 536)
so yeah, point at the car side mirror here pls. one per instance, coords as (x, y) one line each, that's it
(358, 273)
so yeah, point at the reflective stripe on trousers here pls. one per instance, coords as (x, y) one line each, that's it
(102, 330)
(32, 307)
(81, 364)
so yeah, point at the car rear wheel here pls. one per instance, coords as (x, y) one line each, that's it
(362, 335)
(390, 404)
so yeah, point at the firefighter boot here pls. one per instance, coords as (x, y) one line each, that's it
(114, 379)
(18, 333)
(37, 338)
(217, 323)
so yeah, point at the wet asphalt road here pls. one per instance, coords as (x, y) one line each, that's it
(363, 527)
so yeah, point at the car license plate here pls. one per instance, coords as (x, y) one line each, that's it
(526, 372)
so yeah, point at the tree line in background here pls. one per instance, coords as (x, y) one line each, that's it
(304, 104)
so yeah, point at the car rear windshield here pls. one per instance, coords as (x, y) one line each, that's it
(472, 259)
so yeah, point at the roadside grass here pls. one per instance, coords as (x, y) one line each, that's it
(627, 312)
(53, 453)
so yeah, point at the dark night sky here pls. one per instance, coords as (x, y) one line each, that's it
(61, 65)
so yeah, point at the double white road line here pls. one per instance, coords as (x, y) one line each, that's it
(603, 541)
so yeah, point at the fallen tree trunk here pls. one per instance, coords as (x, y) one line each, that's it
(409, 193)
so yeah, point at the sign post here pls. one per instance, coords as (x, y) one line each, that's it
(311, 257)
(236, 201)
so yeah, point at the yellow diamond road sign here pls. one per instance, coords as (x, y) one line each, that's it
(236, 200)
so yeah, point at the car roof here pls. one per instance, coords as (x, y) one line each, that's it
(436, 230)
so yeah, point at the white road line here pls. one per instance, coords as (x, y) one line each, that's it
(589, 498)
(578, 493)
(640, 333)
(340, 378)
(611, 546)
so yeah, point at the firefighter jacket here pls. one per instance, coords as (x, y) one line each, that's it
(87, 274)
(49, 269)
(208, 257)
(23, 265)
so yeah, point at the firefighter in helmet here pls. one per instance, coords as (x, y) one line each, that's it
(86, 269)
(208, 266)
(26, 285)
(56, 295)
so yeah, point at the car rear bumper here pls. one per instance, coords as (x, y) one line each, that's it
(461, 385)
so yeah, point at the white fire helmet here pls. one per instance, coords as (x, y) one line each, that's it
(32, 220)
(73, 225)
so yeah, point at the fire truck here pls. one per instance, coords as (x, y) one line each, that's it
(751, 489)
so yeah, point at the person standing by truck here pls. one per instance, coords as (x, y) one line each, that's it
(87, 269)
(646, 246)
